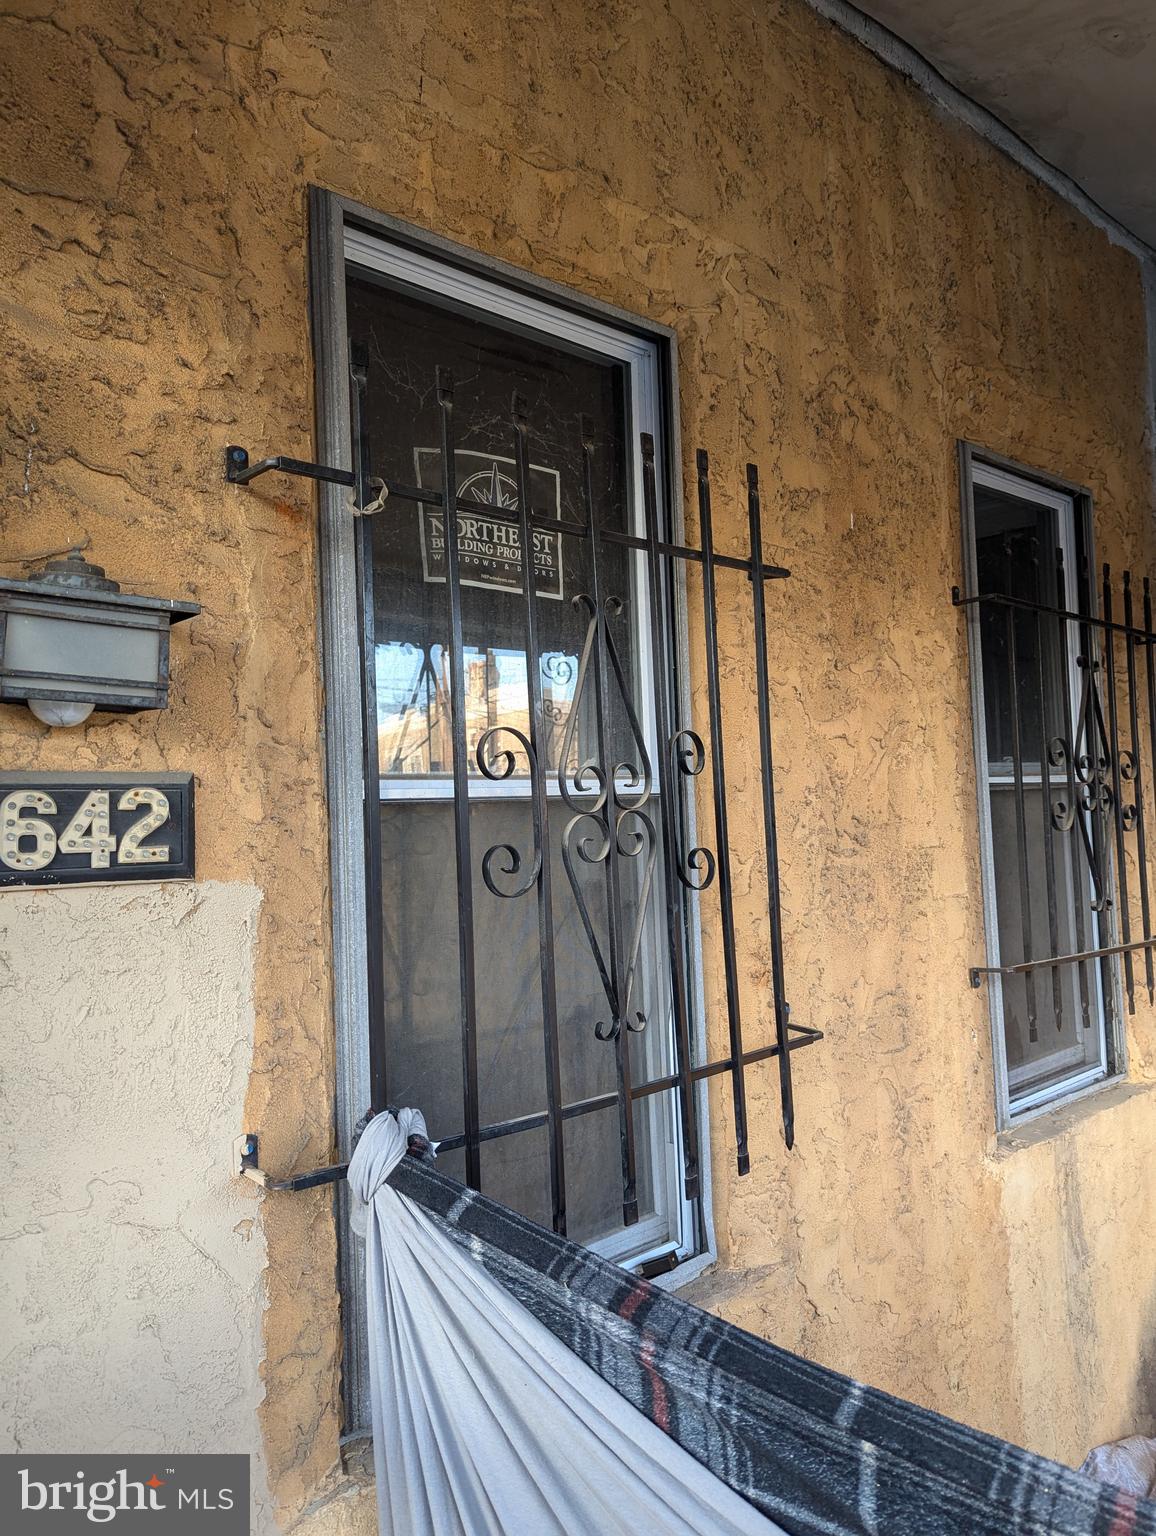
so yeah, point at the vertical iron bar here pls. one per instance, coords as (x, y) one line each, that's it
(1137, 781)
(371, 769)
(1021, 820)
(613, 889)
(1077, 810)
(538, 770)
(1117, 798)
(770, 831)
(1150, 675)
(462, 850)
(722, 833)
(662, 650)
(1046, 802)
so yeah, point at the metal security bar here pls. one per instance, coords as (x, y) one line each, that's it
(624, 812)
(1081, 726)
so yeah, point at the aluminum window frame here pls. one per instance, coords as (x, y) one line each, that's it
(1002, 473)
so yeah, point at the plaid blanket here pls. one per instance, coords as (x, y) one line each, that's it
(818, 1453)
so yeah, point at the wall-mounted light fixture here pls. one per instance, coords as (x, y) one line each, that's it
(71, 641)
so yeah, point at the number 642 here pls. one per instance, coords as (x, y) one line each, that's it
(87, 832)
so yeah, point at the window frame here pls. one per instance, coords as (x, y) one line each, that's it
(469, 291)
(333, 220)
(1050, 490)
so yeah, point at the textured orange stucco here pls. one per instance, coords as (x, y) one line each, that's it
(856, 282)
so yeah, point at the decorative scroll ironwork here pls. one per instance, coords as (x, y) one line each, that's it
(627, 806)
(615, 824)
(1087, 760)
(695, 867)
(1093, 765)
(497, 764)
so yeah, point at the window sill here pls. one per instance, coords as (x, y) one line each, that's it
(686, 1272)
(1052, 1120)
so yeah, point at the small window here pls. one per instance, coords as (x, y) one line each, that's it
(1054, 782)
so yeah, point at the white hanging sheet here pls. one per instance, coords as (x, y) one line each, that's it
(485, 1424)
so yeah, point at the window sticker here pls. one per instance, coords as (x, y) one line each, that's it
(490, 550)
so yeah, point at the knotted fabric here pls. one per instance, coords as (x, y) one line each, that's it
(484, 1423)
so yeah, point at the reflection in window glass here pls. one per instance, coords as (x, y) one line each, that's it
(413, 713)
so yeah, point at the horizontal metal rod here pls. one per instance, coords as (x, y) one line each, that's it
(247, 1153)
(805, 1036)
(801, 1034)
(247, 1148)
(238, 471)
(979, 971)
(1060, 613)
(530, 1122)
(397, 490)
(332, 1173)
(577, 530)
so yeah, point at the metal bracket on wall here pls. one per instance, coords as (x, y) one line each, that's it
(246, 1163)
(247, 1155)
(238, 470)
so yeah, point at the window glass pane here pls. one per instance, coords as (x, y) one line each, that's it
(1015, 555)
(406, 337)
(1054, 997)
(413, 708)
(594, 1210)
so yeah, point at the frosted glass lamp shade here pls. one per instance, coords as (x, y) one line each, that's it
(69, 637)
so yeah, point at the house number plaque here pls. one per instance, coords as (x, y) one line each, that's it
(63, 828)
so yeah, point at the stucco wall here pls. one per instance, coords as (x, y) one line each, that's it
(133, 1264)
(856, 283)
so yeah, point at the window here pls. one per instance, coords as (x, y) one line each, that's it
(1054, 780)
(410, 315)
(529, 828)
